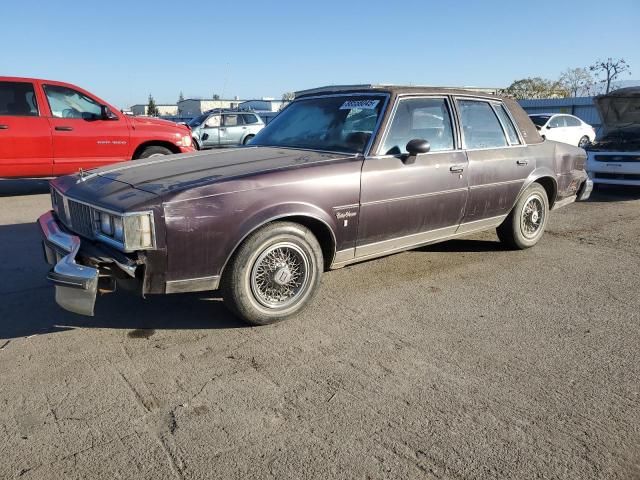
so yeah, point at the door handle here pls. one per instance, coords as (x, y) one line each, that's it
(64, 129)
(244, 128)
(4, 127)
(456, 168)
(522, 162)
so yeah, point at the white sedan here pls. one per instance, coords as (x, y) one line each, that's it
(564, 128)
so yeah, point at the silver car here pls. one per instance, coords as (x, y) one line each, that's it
(223, 128)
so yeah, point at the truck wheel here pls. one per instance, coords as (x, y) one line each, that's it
(525, 224)
(154, 151)
(274, 274)
(247, 139)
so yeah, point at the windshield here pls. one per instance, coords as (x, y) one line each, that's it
(196, 122)
(539, 120)
(334, 123)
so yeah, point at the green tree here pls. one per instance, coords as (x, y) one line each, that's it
(536, 87)
(152, 109)
(181, 97)
(577, 81)
(609, 69)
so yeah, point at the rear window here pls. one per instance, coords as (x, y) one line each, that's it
(249, 119)
(18, 99)
(508, 124)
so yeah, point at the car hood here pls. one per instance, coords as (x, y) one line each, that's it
(620, 108)
(155, 122)
(176, 173)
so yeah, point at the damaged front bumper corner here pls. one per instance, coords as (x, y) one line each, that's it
(76, 285)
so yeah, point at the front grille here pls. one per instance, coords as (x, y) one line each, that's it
(81, 218)
(76, 216)
(617, 158)
(618, 176)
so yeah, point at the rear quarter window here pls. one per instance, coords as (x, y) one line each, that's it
(18, 99)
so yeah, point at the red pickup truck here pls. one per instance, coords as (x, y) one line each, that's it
(50, 128)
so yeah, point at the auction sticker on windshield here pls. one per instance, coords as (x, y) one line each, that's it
(362, 104)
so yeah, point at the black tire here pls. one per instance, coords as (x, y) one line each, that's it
(154, 151)
(525, 224)
(247, 139)
(584, 141)
(196, 145)
(249, 283)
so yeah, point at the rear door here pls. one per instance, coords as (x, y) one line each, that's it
(232, 130)
(81, 137)
(556, 130)
(25, 136)
(574, 129)
(499, 162)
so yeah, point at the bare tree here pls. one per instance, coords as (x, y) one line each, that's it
(577, 81)
(610, 69)
(288, 96)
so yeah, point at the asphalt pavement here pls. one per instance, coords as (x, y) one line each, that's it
(457, 361)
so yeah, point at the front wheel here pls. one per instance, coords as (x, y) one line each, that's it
(525, 224)
(584, 141)
(248, 139)
(155, 151)
(274, 274)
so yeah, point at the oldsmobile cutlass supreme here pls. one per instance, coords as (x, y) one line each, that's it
(343, 174)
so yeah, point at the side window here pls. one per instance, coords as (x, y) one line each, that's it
(508, 124)
(213, 121)
(557, 122)
(424, 118)
(250, 119)
(68, 103)
(480, 125)
(232, 120)
(18, 99)
(572, 121)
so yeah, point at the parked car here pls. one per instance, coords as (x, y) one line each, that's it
(615, 157)
(564, 128)
(312, 193)
(224, 128)
(50, 128)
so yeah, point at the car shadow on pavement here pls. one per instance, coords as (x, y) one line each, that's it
(27, 305)
(464, 245)
(27, 186)
(614, 193)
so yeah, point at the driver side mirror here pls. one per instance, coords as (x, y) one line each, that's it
(415, 147)
(549, 127)
(106, 113)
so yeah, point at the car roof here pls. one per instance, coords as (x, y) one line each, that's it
(394, 89)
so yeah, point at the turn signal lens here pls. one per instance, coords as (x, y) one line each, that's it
(106, 226)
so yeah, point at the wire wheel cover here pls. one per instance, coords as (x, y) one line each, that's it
(280, 275)
(532, 217)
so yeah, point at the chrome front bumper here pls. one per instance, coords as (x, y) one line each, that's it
(585, 190)
(76, 285)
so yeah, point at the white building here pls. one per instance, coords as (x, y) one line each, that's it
(192, 107)
(163, 110)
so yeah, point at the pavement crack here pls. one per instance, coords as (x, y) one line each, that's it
(148, 404)
(5, 344)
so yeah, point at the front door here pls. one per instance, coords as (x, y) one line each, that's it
(81, 137)
(233, 129)
(210, 135)
(25, 137)
(407, 201)
(498, 163)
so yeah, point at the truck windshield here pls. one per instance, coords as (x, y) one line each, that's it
(332, 123)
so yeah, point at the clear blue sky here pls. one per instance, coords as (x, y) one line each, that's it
(124, 50)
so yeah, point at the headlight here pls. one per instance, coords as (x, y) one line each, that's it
(184, 141)
(133, 231)
(106, 226)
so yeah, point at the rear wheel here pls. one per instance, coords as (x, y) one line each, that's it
(525, 224)
(154, 151)
(247, 139)
(274, 274)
